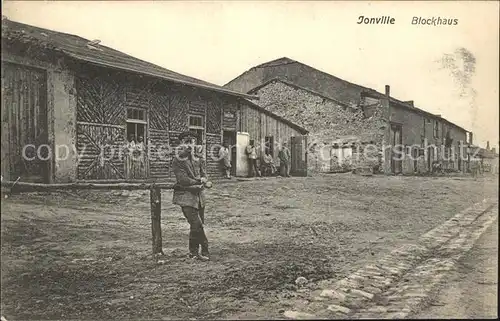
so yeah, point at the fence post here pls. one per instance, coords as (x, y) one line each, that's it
(155, 198)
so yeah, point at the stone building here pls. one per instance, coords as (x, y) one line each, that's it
(487, 159)
(354, 127)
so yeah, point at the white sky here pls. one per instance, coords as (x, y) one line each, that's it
(217, 41)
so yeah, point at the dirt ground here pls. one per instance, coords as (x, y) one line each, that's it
(472, 291)
(87, 255)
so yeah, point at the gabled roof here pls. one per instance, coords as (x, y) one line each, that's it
(313, 83)
(79, 48)
(409, 106)
(286, 82)
(339, 90)
(276, 62)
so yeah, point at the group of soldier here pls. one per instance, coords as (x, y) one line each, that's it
(267, 162)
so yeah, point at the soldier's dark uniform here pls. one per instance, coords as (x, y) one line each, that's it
(190, 196)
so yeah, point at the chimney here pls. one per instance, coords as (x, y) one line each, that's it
(488, 145)
(494, 151)
(387, 91)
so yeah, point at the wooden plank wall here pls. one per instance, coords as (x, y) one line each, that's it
(100, 121)
(102, 103)
(173, 143)
(159, 153)
(214, 168)
(250, 123)
(178, 113)
(95, 143)
(197, 106)
(159, 158)
(24, 121)
(215, 106)
(260, 125)
(214, 110)
(192, 102)
(230, 116)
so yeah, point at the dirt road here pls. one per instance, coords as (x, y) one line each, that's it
(472, 291)
(87, 255)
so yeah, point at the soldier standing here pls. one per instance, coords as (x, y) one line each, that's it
(189, 193)
(285, 158)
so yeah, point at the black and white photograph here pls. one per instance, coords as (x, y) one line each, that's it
(249, 160)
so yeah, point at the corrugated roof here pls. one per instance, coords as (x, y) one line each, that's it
(79, 48)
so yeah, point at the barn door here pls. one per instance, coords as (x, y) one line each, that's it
(25, 152)
(298, 146)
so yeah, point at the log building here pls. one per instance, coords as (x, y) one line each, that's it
(70, 107)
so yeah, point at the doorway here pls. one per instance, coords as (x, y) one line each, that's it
(241, 159)
(229, 137)
(25, 139)
(430, 158)
(299, 155)
(397, 149)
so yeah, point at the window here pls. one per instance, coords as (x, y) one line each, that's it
(134, 131)
(436, 129)
(196, 125)
(136, 114)
(199, 135)
(196, 121)
(136, 124)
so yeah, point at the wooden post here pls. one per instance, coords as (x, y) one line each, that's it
(155, 197)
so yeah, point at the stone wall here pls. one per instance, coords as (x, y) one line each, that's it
(302, 75)
(327, 120)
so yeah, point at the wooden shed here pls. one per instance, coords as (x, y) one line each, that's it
(73, 109)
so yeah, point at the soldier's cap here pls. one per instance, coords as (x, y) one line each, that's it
(187, 134)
